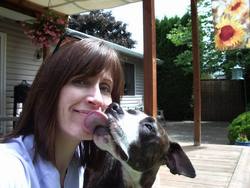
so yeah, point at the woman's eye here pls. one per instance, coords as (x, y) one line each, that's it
(105, 88)
(80, 83)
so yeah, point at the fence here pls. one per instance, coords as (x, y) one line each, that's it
(222, 100)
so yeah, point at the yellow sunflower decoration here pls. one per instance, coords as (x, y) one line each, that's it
(235, 7)
(229, 34)
(232, 24)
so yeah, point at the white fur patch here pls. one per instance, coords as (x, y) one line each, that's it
(129, 124)
(131, 176)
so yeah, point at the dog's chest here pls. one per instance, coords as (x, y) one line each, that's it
(131, 178)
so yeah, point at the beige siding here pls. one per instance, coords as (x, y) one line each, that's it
(21, 63)
(139, 79)
(134, 101)
(139, 72)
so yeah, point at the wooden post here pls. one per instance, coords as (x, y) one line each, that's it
(196, 74)
(150, 77)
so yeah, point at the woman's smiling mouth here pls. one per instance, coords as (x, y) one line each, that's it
(82, 111)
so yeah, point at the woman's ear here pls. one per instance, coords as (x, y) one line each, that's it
(178, 162)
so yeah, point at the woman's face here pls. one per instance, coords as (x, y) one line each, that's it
(77, 98)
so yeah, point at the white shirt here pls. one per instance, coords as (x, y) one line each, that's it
(17, 169)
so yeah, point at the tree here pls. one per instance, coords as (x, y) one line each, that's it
(174, 84)
(211, 59)
(174, 46)
(102, 25)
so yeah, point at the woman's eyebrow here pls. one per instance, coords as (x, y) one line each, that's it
(109, 80)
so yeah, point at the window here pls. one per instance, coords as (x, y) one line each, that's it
(129, 73)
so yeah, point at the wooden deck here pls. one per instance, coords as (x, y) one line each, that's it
(217, 166)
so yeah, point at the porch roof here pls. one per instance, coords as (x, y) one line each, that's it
(70, 7)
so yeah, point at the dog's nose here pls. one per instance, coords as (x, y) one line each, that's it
(114, 107)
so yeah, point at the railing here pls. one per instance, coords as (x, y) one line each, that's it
(132, 102)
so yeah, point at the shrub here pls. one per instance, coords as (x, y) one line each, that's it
(239, 126)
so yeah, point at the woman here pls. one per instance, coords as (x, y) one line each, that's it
(82, 76)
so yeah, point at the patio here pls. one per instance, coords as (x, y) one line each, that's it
(217, 165)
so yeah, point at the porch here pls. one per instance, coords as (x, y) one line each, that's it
(217, 164)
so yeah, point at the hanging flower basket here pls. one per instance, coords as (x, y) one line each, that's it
(46, 29)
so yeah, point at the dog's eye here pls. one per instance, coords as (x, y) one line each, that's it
(149, 119)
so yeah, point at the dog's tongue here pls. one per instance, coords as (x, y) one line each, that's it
(95, 118)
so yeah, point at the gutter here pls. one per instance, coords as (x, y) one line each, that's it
(117, 47)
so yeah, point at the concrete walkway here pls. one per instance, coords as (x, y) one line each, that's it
(211, 132)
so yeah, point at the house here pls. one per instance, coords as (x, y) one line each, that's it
(20, 60)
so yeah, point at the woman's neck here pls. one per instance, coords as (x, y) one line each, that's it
(64, 151)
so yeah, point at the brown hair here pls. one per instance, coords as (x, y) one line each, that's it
(86, 57)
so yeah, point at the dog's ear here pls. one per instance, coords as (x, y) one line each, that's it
(178, 162)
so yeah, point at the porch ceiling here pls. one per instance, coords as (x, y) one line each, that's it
(14, 15)
(70, 7)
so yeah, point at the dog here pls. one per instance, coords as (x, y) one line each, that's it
(132, 146)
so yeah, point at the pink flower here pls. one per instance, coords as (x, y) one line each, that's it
(60, 21)
(45, 30)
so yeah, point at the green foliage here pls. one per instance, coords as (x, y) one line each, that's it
(180, 35)
(173, 44)
(102, 25)
(248, 107)
(242, 138)
(239, 128)
(174, 84)
(233, 57)
(185, 56)
(211, 60)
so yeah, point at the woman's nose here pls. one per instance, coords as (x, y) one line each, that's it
(95, 98)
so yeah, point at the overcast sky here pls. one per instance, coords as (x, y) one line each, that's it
(132, 15)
